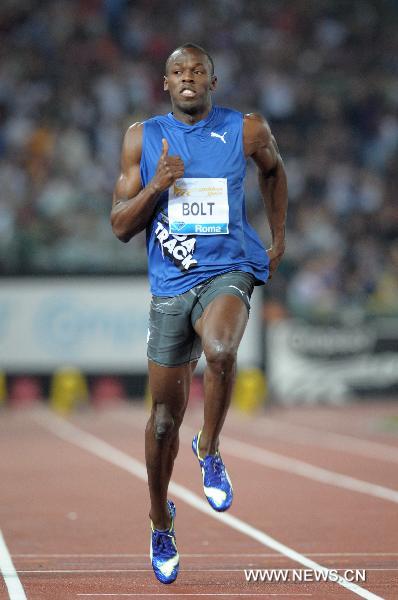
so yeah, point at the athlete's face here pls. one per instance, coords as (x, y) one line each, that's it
(189, 81)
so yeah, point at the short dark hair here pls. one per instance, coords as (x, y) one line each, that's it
(195, 47)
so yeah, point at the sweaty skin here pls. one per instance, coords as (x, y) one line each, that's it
(189, 81)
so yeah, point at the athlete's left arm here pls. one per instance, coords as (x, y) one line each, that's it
(260, 144)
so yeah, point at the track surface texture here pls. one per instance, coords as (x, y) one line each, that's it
(316, 488)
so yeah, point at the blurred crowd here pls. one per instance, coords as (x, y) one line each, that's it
(74, 74)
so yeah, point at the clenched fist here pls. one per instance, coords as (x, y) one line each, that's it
(169, 169)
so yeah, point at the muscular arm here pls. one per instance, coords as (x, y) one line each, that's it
(133, 205)
(260, 144)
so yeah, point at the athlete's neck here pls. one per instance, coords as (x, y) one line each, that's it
(191, 119)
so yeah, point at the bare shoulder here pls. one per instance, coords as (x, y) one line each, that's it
(132, 143)
(135, 128)
(254, 117)
(133, 135)
(256, 132)
(256, 124)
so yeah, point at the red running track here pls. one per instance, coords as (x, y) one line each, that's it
(311, 484)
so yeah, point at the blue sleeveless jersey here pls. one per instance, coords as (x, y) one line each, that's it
(213, 148)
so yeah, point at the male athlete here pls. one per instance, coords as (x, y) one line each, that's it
(182, 180)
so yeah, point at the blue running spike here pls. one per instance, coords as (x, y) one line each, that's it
(164, 554)
(217, 485)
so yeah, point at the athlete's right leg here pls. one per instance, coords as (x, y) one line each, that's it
(170, 391)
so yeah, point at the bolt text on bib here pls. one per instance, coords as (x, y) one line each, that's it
(197, 208)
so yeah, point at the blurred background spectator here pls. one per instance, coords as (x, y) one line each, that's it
(75, 74)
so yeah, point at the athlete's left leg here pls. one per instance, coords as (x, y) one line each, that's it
(220, 328)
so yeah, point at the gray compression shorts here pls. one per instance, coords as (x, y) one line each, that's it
(172, 339)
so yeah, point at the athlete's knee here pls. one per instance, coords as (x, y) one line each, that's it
(164, 423)
(220, 356)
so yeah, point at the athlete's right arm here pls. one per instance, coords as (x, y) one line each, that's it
(133, 205)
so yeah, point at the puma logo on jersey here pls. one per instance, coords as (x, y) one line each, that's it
(218, 135)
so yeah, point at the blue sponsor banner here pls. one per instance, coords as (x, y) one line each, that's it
(96, 324)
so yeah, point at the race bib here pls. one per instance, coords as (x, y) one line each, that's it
(198, 205)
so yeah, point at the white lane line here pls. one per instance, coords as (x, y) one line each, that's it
(98, 447)
(79, 571)
(192, 594)
(301, 468)
(10, 576)
(185, 570)
(298, 467)
(208, 555)
(329, 439)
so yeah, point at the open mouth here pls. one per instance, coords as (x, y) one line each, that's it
(188, 93)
